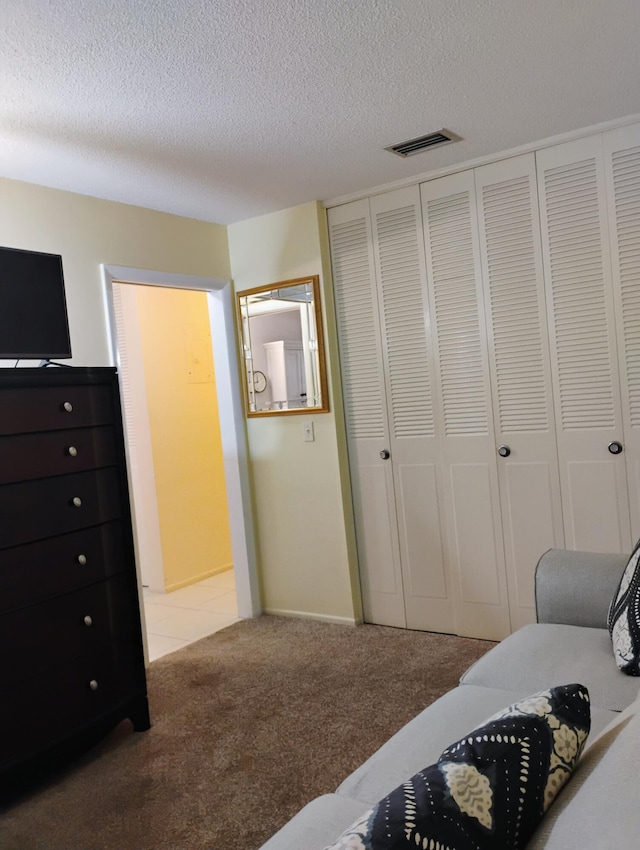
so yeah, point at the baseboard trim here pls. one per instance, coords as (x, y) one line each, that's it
(195, 579)
(307, 615)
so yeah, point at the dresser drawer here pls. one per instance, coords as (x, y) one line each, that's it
(37, 509)
(72, 659)
(77, 628)
(37, 571)
(55, 703)
(28, 409)
(27, 456)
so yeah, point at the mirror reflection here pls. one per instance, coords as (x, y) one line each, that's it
(282, 346)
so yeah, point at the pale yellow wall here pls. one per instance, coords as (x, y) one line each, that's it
(306, 549)
(87, 232)
(305, 534)
(185, 433)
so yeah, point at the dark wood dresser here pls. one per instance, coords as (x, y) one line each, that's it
(71, 656)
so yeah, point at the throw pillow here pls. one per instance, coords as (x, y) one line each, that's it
(624, 617)
(488, 790)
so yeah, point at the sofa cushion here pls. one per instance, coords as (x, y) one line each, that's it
(624, 617)
(599, 808)
(318, 823)
(422, 740)
(489, 789)
(541, 655)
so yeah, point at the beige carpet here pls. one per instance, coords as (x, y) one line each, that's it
(248, 725)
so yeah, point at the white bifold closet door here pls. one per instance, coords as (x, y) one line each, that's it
(365, 404)
(470, 497)
(622, 174)
(519, 365)
(388, 381)
(581, 314)
(409, 378)
(499, 443)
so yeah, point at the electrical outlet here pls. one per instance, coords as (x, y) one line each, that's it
(309, 436)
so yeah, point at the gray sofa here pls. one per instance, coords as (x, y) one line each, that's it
(600, 806)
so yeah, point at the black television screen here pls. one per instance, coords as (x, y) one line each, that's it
(33, 307)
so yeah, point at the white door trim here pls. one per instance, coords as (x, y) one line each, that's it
(231, 412)
(135, 415)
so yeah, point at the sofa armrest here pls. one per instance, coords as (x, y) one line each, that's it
(576, 588)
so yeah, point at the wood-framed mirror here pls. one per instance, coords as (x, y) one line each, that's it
(283, 362)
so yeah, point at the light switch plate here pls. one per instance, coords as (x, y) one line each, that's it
(309, 436)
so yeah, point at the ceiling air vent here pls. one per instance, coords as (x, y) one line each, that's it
(422, 143)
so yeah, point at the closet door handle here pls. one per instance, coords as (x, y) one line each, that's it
(385, 454)
(615, 447)
(504, 451)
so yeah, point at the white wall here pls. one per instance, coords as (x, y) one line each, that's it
(304, 526)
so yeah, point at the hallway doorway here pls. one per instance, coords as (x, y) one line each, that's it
(233, 449)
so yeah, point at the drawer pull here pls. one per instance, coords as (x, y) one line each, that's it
(93, 685)
(82, 560)
(88, 621)
(76, 502)
(67, 407)
(72, 451)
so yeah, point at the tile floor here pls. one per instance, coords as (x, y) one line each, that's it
(179, 618)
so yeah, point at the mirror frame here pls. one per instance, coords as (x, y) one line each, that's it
(314, 280)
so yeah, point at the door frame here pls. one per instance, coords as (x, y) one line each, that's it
(230, 406)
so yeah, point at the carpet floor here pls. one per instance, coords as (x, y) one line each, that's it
(249, 724)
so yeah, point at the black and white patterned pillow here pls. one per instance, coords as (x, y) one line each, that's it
(624, 617)
(489, 790)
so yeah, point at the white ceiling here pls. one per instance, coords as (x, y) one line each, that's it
(226, 109)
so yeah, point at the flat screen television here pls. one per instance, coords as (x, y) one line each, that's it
(33, 307)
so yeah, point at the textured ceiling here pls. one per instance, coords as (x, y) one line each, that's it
(226, 109)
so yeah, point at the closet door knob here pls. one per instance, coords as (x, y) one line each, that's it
(93, 685)
(76, 502)
(88, 621)
(385, 454)
(615, 447)
(81, 559)
(504, 451)
(72, 451)
(67, 407)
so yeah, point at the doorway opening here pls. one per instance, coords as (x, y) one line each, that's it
(232, 434)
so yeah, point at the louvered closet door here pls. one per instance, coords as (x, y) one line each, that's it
(408, 369)
(365, 403)
(463, 411)
(522, 395)
(571, 185)
(622, 168)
